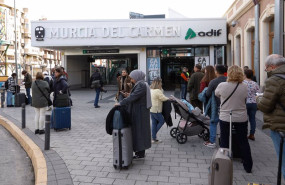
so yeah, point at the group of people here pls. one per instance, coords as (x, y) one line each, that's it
(41, 88)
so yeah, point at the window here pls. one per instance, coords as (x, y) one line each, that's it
(271, 36)
(252, 43)
(201, 51)
(220, 55)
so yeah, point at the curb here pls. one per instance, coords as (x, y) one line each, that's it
(34, 152)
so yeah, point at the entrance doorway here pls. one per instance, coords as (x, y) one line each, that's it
(112, 65)
(171, 68)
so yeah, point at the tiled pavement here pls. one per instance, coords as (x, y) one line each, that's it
(87, 152)
(15, 165)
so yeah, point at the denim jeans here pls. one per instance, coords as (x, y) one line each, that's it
(157, 122)
(213, 130)
(276, 141)
(251, 111)
(9, 98)
(97, 96)
(241, 141)
(183, 91)
(28, 92)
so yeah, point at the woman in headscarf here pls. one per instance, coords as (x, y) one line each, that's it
(139, 104)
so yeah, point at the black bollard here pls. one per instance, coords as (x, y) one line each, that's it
(23, 115)
(2, 99)
(47, 132)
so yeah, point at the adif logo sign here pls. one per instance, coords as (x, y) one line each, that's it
(212, 33)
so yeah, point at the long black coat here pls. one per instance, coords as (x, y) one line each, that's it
(140, 117)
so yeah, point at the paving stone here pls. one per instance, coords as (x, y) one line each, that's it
(125, 182)
(157, 178)
(101, 180)
(83, 179)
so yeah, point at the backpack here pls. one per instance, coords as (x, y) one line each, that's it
(6, 84)
(95, 84)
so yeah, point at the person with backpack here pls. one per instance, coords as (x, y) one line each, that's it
(28, 84)
(97, 83)
(272, 102)
(10, 86)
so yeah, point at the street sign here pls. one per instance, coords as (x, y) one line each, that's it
(101, 51)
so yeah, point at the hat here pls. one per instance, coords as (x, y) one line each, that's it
(45, 73)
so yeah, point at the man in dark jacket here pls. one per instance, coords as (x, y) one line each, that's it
(272, 102)
(184, 81)
(11, 89)
(97, 76)
(194, 86)
(220, 71)
(28, 84)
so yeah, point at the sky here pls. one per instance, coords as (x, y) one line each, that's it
(119, 9)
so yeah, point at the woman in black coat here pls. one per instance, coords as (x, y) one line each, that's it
(139, 104)
(60, 85)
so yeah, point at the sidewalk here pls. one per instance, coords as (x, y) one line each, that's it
(87, 151)
(15, 165)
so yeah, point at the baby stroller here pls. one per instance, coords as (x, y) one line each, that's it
(190, 123)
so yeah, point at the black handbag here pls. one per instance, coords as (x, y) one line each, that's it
(61, 100)
(48, 99)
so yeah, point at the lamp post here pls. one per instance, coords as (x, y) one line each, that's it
(15, 45)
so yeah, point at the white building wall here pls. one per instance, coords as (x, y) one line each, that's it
(74, 66)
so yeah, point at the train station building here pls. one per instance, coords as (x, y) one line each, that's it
(159, 47)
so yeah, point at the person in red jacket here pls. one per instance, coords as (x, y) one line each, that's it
(209, 75)
(184, 82)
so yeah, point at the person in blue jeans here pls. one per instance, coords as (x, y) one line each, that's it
(184, 81)
(28, 84)
(272, 102)
(215, 103)
(157, 99)
(11, 89)
(96, 76)
(252, 89)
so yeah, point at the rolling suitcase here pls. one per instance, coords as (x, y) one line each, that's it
(20, 98)
(221, 169)
(122, 143)
(282, 136)
(61, 118)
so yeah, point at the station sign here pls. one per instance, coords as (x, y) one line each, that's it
(143, 32)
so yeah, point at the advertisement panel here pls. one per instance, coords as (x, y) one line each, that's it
(153, 66)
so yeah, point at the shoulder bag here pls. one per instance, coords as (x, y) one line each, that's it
(48, 99)
(230, 95)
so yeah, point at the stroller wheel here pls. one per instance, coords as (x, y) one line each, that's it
(174, 132)
(206, 137)
(201, 134)
(181, 138)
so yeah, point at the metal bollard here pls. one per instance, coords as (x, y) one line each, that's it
(2, 98)
(23, 115)
(47, 132)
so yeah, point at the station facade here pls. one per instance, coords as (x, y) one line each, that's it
(159, 47)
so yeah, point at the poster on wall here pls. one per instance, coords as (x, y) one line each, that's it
(153, 65)
(203, 61)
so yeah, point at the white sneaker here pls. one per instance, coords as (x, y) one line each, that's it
(209, 144)
(155, 141)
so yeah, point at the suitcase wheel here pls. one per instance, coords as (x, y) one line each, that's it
(69, 128)
(174, 132)
(206, 137)
(115, 166)
(181, 138)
